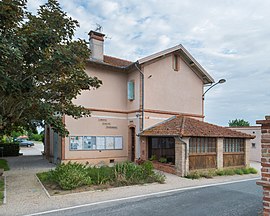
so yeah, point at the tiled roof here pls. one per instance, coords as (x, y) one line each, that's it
(116, 61)
(188, 127)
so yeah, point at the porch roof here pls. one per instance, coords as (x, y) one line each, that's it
(189, 127)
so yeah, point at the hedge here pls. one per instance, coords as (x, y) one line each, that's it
(10, 149)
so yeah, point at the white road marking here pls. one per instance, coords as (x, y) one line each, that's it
(140, 196)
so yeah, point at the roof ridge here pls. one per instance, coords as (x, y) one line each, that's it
(118, 58)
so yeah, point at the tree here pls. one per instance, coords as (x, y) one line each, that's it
(238, 123)
(42, 68)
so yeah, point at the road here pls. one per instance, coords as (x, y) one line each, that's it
(243, 198)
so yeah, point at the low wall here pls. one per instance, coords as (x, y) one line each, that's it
(168, 168)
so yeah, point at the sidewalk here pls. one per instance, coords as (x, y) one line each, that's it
(25, 195)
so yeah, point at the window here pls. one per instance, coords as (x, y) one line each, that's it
(233, 145)
(253, 145)
(162, 147)
(131, 85)
(202, 145)
(95, 143)
(175, 62)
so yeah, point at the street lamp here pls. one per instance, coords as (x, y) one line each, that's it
(219, 82)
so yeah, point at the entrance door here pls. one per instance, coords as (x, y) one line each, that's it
(133, 137)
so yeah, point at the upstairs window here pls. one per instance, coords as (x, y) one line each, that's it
(130, 88)
(175, 62)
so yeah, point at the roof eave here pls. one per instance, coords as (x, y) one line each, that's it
(207, 79)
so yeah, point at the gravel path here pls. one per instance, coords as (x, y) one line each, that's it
(25, 195)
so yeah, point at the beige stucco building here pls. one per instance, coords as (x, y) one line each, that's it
(255, 144)
(133, 97)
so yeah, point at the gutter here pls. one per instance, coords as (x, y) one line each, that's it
(142, 78)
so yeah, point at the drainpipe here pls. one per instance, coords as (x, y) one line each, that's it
(142, 77)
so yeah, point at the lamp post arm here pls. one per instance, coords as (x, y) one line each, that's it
(209, 89)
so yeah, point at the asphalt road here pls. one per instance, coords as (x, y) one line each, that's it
(244, 198)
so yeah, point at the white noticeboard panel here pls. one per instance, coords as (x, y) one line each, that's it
(109, 142)
(100, 143)
(88, 143)
(76, 142)
(118, 143)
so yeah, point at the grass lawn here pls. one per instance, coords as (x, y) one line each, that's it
(2, 183)
(4, 165)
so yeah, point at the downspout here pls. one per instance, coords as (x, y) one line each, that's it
(142, 77)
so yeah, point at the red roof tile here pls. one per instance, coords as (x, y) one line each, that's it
(188, 127)
(116, 61)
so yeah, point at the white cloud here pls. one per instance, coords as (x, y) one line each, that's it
(229, 38)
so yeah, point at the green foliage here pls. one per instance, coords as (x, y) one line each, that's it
(153, 158)
(252, 170)
(220, 172)
(101, 175)
(162, 160)
(69, 176)
(42, 67)
(239, 172)
(193, 175)
(238, 123)
(4, 165)
(10, 149)
(36, 137)
(72, 175)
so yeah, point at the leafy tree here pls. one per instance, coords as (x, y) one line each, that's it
(238, 123)
(42, 68)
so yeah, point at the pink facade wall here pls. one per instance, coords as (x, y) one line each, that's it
(111, 95)
(167, 92)
(175, 91)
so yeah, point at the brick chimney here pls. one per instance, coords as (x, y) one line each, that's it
(96, 40)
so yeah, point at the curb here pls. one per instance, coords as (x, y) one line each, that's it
(5, 190)
(46, 192)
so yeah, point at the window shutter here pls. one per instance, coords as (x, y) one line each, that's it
(131, 90)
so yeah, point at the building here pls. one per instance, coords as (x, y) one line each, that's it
(190, 144)
(255, 144)
(134, 96)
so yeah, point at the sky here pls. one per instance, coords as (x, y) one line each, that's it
(230, 39)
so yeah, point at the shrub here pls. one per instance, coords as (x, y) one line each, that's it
(239, 171)
(100, 175)
(193, 175)
(229, 172)
(129, 173)
(253, 170)
(71, 175)
(153, 158)
(163, 160)
(220, 172)
(10, 149)
(36, 137)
